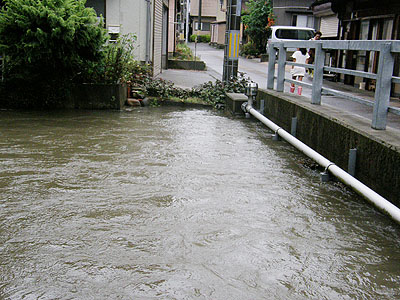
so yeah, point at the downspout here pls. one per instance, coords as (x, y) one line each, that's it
(187, 20)
(148, 31)
(373, 197)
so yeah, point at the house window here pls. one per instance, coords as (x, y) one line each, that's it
(303, 21)
(387, 29)
(310, 21)
(294, 20)
(98, 5)
(114, 37)
(205, 26)
(114, 32)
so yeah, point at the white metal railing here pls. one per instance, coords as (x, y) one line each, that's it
(384, 77)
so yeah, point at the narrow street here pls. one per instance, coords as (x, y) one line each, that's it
(257, 71)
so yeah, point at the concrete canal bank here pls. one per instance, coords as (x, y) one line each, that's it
(333, 132)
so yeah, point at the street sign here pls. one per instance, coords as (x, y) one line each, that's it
(232, 40)
(233, 47)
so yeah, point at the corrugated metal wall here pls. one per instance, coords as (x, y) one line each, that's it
(157, 36)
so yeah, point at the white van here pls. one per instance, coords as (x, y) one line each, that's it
(290, 33)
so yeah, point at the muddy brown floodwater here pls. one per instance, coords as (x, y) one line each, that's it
(170, 203)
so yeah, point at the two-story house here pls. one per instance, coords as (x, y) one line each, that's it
(293, 13)
(218, 27)
(366, 20)
(208, 15)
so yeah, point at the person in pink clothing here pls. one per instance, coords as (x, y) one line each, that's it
(300, 56)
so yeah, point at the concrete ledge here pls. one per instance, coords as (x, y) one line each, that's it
(81, 96)
(333, 133)
(186, 64)
(99, 96)
(234, 102)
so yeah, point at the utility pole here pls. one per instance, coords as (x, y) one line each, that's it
(199, 27)
(232, 39)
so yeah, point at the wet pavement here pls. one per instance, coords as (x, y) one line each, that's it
(257, 71)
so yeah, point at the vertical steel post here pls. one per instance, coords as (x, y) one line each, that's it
(281, 68)
(352, 162)
(383, 87)
(271, 66)
(293, 128)
(262, 106)
(199, 27)
(318, 74)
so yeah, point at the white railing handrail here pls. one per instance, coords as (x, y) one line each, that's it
(384, 77)
(363, 45)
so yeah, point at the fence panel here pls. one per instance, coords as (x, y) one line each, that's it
(384, 78)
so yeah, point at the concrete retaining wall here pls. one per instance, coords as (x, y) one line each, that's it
(186, 65)
(82, 96)
(99, 96)
(333, 133)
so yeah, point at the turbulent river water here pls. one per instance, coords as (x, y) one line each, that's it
(171, 203)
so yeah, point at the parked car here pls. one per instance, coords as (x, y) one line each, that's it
(289, 33)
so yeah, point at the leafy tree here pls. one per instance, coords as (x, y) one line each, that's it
(48, 43)
(258, 21)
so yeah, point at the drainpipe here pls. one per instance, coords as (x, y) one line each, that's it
(148, 31)
(373, 197)
(187, 20)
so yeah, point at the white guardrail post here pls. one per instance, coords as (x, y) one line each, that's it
(383, 87)
(318, 74)
(271, 66)
(281, 68)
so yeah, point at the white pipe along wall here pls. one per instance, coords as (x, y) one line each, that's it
(373, 197)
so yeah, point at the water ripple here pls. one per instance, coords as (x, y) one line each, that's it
(166, 203)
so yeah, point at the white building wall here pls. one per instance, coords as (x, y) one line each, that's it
(221, 11)
(131, 17)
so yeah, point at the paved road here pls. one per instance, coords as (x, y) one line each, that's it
(257, 71)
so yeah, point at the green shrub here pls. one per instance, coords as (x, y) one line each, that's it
(205, 38)
(183, 52)
(249, 49)
(215, 92)
(117, 62)
(50, 38)
(48, 44)
(193, 38)
(209, 92)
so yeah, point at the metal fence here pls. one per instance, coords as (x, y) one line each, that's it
(384, 76)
